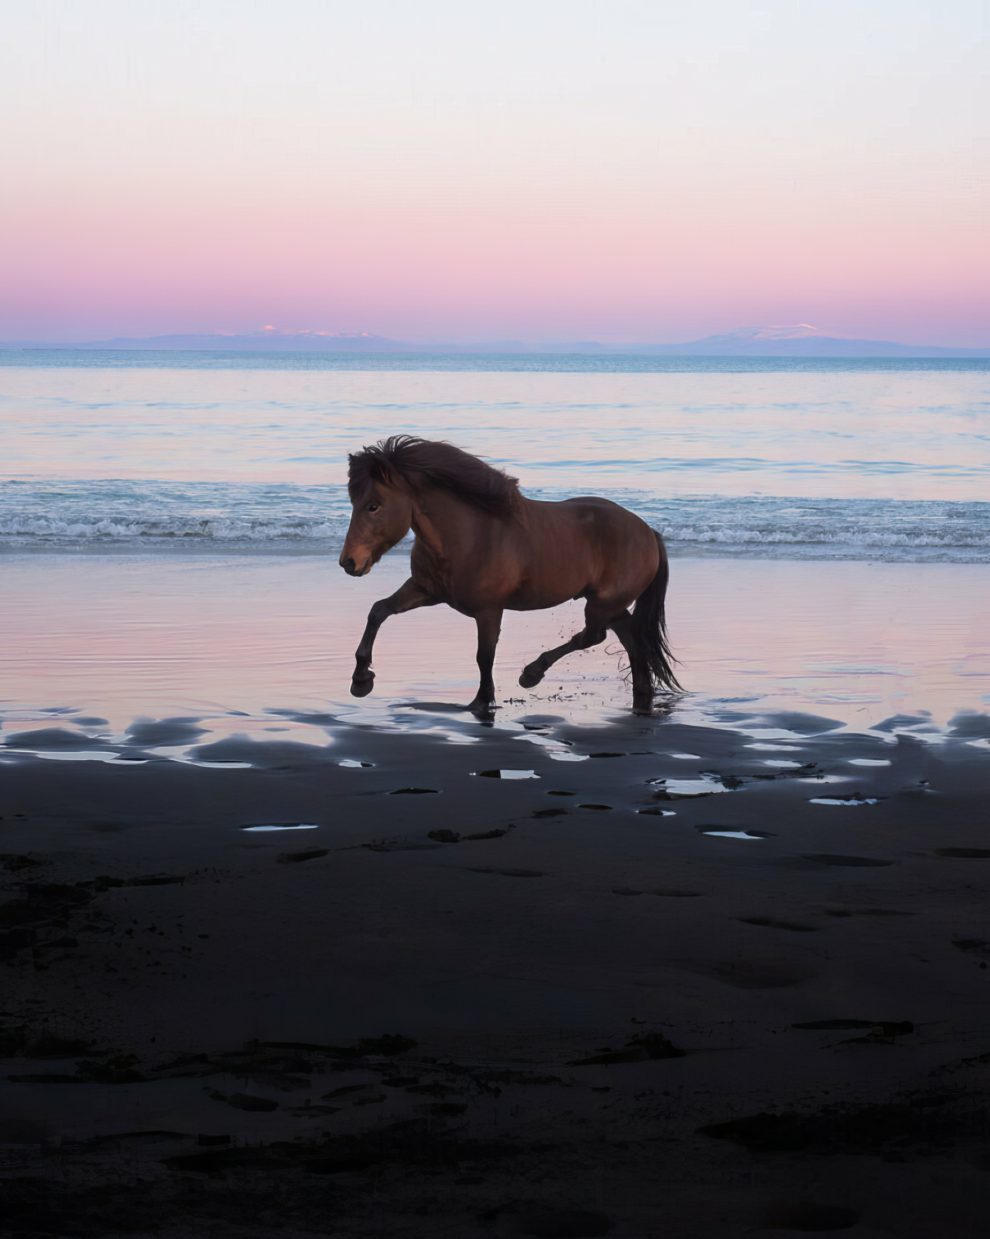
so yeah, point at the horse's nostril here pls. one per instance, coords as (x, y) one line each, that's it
(347, 564)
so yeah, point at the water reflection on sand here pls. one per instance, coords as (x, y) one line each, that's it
(204, 661)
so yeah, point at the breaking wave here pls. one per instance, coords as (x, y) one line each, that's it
(280, 518)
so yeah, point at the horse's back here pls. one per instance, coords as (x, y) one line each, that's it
(589, 545)
(609, 522)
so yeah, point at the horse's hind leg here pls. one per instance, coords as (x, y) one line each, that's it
(593, 633)
(407, 597)
(639, 664)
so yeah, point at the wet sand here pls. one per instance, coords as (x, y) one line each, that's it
(724, 970)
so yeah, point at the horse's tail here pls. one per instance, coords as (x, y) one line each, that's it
(650, 625)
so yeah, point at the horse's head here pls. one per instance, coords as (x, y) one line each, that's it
(381, 514)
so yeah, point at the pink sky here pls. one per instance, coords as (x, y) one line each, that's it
(469, 175)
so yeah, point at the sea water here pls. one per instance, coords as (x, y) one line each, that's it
(766, 458)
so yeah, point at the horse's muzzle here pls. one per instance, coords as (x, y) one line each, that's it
(352, 569)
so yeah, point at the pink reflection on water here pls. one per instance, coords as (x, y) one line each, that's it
(254, 643)
(842, 434)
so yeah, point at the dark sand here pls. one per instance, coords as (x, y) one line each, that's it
(474, 1006)
(467, 1006)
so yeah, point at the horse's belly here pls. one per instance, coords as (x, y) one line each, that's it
(548, 590)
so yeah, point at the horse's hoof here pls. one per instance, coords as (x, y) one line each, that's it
(531, 676)
(362, 687)
(482, 709)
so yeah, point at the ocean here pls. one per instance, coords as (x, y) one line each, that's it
(884, 460)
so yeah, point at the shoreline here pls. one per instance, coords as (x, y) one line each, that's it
(236, 637)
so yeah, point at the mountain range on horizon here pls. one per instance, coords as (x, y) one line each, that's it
(787, 340)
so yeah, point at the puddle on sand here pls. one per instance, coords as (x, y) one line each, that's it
(102, 755)
(507, 774)
(556, 750)
(783, 763)
(352, 763)
(846, 800)
(706, 785)
(268, 826)
(869, 761)
(718, 832)
(214, 765)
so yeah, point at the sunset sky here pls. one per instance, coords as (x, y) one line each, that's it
(536, 169)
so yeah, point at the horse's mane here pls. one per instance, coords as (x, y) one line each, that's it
(436, 464)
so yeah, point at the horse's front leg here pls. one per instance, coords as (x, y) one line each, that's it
(489, 626)
(406, 598)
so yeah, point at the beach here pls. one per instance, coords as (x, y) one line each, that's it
(281, 962)
(315, 925)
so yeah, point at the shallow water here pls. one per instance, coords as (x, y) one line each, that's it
(263, 646)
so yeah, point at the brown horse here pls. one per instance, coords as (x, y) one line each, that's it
(482, 547)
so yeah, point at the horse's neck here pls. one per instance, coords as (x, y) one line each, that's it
(438, 517)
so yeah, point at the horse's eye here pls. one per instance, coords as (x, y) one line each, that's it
(373, 507)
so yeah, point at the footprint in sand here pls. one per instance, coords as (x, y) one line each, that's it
(398, 845)
(768, 922)
(15, 861)
(512, 873)
(808, 1216)
(880, 1028)
(453, 836)
(836, 858)
(866, 912)
(632, 890)
(245, 1101)
(754, 974)
(292, 858)
(543, 1223)
(977, 946)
